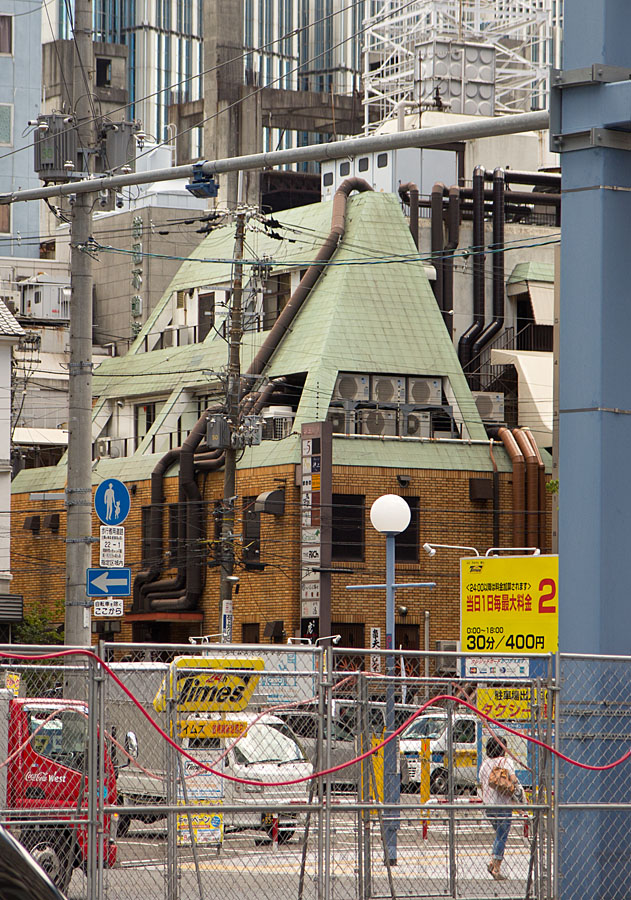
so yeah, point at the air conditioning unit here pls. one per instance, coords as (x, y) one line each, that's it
(278, 422)
(108, 448)
(387, 389)
(377, 421)
(12, 302)
(352, 387)
(343, 420)
(490, 406)
(447, 665)
(425, 391)
(416, 424)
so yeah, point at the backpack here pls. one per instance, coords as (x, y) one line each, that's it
(503, 781)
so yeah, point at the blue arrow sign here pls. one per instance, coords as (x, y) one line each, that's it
(112, 501)
(108, 582)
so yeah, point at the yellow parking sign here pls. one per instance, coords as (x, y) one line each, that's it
(509, 604)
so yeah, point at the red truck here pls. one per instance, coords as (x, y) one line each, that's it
(49, 772)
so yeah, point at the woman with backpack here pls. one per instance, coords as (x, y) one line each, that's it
(500, 788)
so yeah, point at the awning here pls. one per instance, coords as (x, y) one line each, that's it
(39, 437)
(542, 302)
(534, 373)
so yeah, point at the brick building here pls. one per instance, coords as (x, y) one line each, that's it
(368, 352)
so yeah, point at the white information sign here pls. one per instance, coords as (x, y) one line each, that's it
(107, 607)
(112, 547)
(310, 609)
(375, 644)
(496, 667)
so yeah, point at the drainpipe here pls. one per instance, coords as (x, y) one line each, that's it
(169, 592)
(438, 239)
(467, 340)
(519, 506)
(498, 266)
(408, 192)
(532, 489)
(496, 497)
(542, 489)
(453, 237)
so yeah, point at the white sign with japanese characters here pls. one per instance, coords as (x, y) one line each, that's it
(112, 547)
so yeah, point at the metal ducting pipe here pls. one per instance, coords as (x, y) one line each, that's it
(496, 497)
(158, 593)
(545, 179)
(453, 238)
(532, 488)
(408, 192)
(438, 242)
(338, 228)
(519, 479)
(542, 490)
(498, 266)
(467, 340)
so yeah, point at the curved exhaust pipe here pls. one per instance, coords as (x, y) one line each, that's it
(408, 192)
(532, 489)
(466, 342)
(498, 265)
(519, 507)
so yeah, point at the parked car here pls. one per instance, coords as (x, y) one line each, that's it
(21, 878)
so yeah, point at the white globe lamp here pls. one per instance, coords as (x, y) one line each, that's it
(390, 514)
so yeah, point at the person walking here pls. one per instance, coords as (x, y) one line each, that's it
(500, 788)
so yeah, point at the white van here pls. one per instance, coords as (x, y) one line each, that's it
(433, 725)
(244, 746)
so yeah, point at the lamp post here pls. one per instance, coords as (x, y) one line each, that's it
(390, 515)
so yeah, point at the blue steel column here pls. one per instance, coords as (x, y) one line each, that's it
(391, 784)
(594, 441)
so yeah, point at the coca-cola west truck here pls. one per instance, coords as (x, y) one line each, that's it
(44, 786)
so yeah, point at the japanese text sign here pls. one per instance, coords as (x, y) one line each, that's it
(509, 604)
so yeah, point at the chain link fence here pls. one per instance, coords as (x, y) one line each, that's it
(190, 772)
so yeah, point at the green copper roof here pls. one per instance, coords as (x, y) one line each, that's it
(532, 271)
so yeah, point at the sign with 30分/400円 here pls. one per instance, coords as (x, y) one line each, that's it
(509, 604)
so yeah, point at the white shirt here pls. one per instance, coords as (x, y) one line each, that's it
(490, 796)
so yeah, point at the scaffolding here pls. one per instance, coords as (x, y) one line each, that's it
(411, 49)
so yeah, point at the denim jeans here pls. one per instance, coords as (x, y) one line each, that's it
(500, 818)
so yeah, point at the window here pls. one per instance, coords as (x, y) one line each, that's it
(406, 543)
(251, 532)
(327, 179)
(205, 314)
(363, 164)
(382, 160)
(351, 635)
(276, 293)
(144, 417)
(345, 168)
(250, 633)
(464, 731)
(103, 72)
(6, 124)
(6, 34)
(5, 219)
(347, 531)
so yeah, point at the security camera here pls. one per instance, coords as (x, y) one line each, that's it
(431, 551)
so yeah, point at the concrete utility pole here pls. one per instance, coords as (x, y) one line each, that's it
(79, 483)
(230, 470)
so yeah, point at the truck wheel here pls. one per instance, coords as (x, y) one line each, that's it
(55, 854)
(439, 782)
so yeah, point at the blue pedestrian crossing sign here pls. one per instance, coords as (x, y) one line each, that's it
(108, 582)
(112, 501)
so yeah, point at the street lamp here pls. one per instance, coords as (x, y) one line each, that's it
(390, 515)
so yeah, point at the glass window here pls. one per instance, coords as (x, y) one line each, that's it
(382, 160)
(406, 543)
(251, 531)
(345, 168)
(327, 179)
(6, 124)
(464, 731)
(425, 727)
(267, 743)
(347, 527)
(6, 34)
(60, 736)
(363, 164)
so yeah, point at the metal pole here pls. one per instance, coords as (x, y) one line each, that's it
(328, 687)
(391, 786)
(426, 137)
(79, 482)
(230, 468)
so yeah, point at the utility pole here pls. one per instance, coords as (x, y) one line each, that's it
(79, 483)
(230, 471)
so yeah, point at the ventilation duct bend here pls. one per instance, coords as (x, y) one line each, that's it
(184, 591)
(467, 340)
(532, 488)
(542, 543)
(498, 265)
